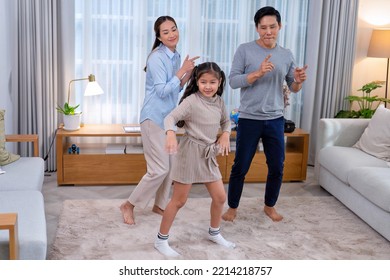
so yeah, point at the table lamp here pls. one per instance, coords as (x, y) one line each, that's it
(72, 121)
(92, 88)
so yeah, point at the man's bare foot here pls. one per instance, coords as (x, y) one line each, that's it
(271, 212)
(157, 210)
(230, 214)
(127, 212)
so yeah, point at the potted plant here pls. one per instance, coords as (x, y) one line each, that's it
(367, 103)
(72, 119)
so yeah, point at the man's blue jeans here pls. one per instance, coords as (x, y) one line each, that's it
(249, 132)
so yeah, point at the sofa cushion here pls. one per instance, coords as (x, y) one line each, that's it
(375, 139)
(341, 160)
(29, 205)
(5, 156)
(373, 183)
(32, 169)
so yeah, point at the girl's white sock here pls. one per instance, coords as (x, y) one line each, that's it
(216, 237)
(161, 244)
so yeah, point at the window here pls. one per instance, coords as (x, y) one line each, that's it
(114, 38)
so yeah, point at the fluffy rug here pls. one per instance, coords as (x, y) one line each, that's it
(313, 228)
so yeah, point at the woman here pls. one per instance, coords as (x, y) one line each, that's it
(164, 81)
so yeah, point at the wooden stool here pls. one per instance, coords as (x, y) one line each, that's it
(9, 221)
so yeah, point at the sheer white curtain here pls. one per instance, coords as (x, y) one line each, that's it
(113, 39)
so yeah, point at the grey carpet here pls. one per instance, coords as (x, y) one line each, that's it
(313, 228)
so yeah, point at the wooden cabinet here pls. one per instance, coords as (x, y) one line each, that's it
(92, 166)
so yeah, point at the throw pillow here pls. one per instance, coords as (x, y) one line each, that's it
(5, 157)
(375, 139)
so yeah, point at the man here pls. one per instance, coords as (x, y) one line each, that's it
(260, 69)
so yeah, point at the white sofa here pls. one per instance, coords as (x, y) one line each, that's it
(359, 180)
(20, 192)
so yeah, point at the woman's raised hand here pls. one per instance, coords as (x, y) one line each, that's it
(186, 68)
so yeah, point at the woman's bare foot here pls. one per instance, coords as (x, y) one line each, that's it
(230, 214)
(271, 212)
(157, 210)
(127, 212)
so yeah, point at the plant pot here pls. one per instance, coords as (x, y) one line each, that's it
(72, 122)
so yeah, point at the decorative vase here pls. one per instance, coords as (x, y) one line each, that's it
(72, 122)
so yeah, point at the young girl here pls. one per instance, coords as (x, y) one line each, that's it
(164, 81)
(202, 113)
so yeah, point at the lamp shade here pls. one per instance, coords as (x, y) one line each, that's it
(93, 88)
(379, 43)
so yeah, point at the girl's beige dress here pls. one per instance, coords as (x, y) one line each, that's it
(195, 161)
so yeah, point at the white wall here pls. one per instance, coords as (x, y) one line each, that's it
(372, 14)
(6, 37)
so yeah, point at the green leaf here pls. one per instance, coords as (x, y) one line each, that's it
(67, 109)
(367, 113)
(353, 98)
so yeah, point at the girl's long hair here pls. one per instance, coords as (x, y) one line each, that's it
(157, 24)
(197, 72)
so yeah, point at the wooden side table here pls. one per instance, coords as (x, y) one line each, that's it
(9, 221)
